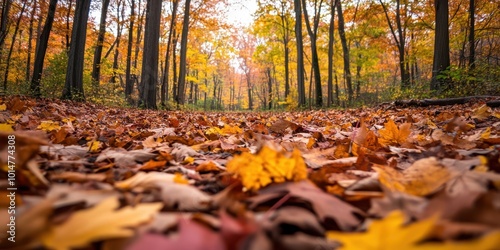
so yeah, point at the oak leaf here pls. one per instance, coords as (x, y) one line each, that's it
(268, 166)
(423, 177)
(391, 233)
(392, 135)
(100, 222)
(49, 126)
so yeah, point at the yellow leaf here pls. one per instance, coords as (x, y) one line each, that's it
(392, 135)
(268, 166)
(391, 233)
(486, 134)
(94, 146)
(179, 178)
(423, 177)
(188, 160)
(482, 112)
(6, 127)
(229, 130)
(213, 131)
(100, 222)
(49, 126)
(3, 107)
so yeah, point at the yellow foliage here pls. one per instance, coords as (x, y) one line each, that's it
(6, 127)
(424, 177)
(268, 166)
(100, 222)
(49, 126)
(392, 135)
(180, 179)
(3, 107)
(94, 146)
(229, 130)
(391, 233)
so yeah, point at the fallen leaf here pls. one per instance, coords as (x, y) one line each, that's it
(100, 222)
(392, 135)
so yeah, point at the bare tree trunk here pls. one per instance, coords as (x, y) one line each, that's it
(119, 28)
(345, 50)
(9, 55)
(4, 21)
(96, 66)
(269, 89)
(164, 82)
(331, 29)
(149, 75)
(129, 82)
(139, 35)
(182, 70)
(441, 59)
(41, 49)
(174, 66)
(300, 54)
(73, 89)
(68, 15)
(30, 40)
(472, 42)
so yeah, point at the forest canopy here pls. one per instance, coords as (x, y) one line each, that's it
(303, 53)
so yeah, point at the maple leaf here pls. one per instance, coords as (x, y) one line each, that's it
(423, 177)
(391, 233)
(100, 222)
(392, 135)
(266, 167)
(49, 126)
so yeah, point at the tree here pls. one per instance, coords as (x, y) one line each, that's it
(129, 82)
(30, 38)
(472, 42)
(41, 49)
(331, 29)
(9, 55)
(300, 54)
(182, 64)
(73, 89)
(164, 81)
(441, 59)
(149, 75)
(96, 66)
(345, 51)
(4, 20)
(400, 40)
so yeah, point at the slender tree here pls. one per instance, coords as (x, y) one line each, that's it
(96, 66)
(73, 89)
(345, 51)
(41, 49)
(9, 55)
(30, 40)
(182, 64)
(313, 35)
(331, 29)
(149, 75)
(300, 54)
(4, 21)
(441, 59)
(129, 82)
(472, 42)
(165, 78)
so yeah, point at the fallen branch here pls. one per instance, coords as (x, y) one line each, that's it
(491, 101)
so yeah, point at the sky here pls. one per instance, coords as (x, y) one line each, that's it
(241, 11)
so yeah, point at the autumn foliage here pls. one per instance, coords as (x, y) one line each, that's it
(95, 177)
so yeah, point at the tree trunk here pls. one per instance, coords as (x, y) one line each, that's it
(331, 29)
(41, 49)
(174, 66)
(269, 89)
(149, 75)
(345, 51)
(119, 27)
(441, 59)
(472, 42)
(182, 64)
(285, 41)
(73, 89)
(96, 66)
(4, 23)
(68, 15)
(300, 54)
(312, 31)
(9, 55)
(30, 40)
(129, 82)
(164, 81)
(139, 35)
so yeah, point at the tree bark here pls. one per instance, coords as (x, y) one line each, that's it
(149, 75)
(441, 59)
(41, 49)
(4, 21)
(129, 82)
(73, 89)
(331, 29)
(119, 27)
(164, 82)
(68, 15)
(472, 42)
(9, 55)
(300, 54)
(96, 66)
(345, 51)
(30, 40)
(182, 64)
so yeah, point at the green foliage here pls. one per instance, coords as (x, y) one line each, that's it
(54, 75)
(483, 80)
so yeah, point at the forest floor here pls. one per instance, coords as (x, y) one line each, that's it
(78, 175)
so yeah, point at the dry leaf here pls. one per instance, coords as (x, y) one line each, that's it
(392, 135)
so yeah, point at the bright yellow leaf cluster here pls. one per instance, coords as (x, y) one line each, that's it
(391, 233)
(392, 135)
(268, 166)
(226, 130)
(49, 126)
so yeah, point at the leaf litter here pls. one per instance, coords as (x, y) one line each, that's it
(388, 177)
